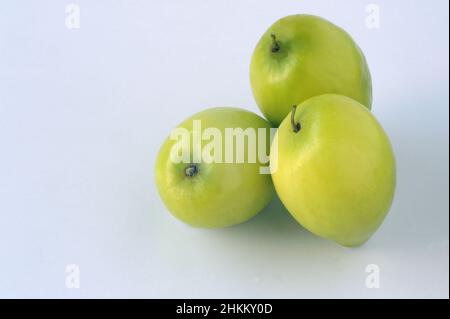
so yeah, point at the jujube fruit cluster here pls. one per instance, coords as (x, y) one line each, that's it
(331, 162)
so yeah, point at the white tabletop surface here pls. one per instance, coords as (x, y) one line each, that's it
(84, 110)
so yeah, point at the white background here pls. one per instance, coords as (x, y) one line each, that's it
(84, 111)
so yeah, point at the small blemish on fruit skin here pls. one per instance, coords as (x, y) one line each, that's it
(191, 170)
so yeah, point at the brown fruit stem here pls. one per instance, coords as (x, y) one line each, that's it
(275, 44)
(296, 127)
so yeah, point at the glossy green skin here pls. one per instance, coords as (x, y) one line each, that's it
(220, 194)
(315, 57)
(336, 176)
